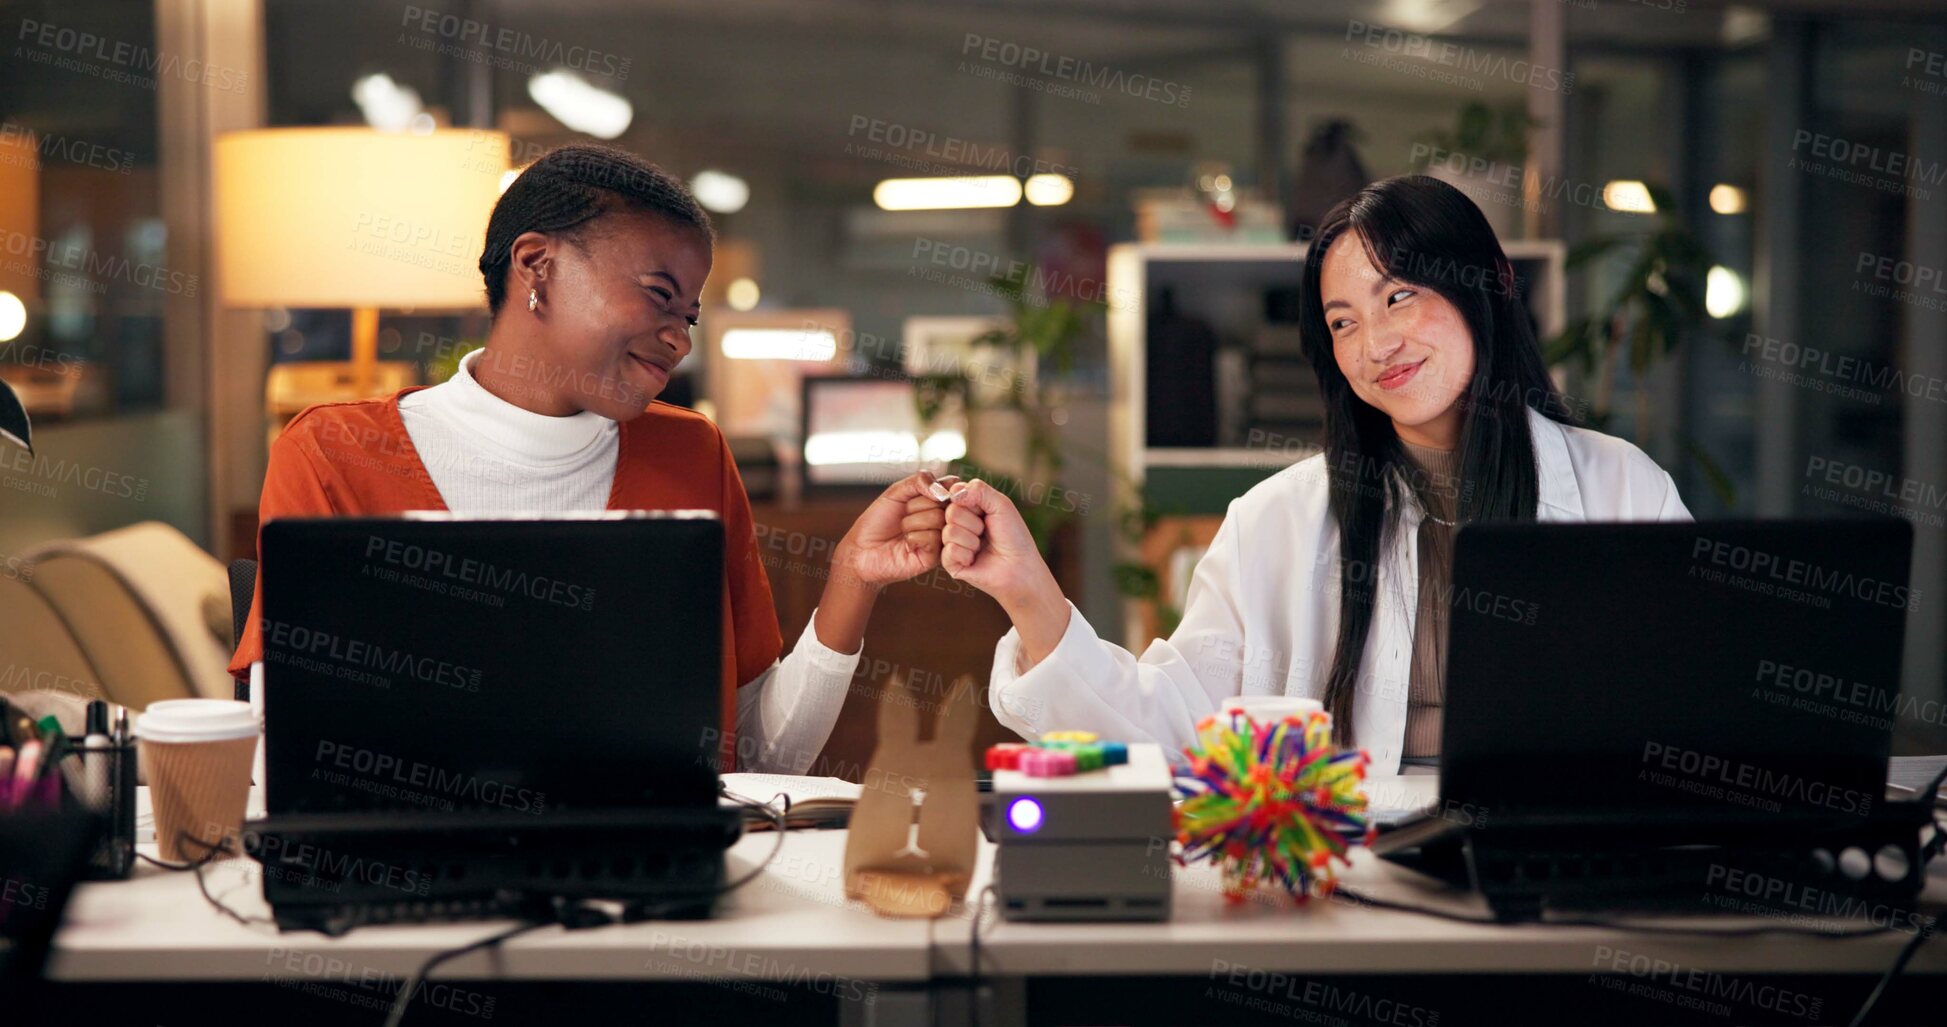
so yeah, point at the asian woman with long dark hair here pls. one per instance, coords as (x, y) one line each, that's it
(1331, 579)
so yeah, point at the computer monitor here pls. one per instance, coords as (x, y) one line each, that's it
(865, 431)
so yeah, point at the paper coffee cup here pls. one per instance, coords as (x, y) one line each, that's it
(196, 755)
(1269, 709)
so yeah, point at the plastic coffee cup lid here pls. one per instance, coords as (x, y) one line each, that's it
(196, 720)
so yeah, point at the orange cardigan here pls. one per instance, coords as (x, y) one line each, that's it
(355, 459)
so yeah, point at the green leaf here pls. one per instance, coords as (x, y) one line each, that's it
(1590, 249)
(1714, 476)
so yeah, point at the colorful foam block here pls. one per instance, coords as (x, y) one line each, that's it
(1006, 755)
(1047, 763)
(1079, 753)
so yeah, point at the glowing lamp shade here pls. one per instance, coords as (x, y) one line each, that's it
(20, 214)
(1024, 815)
(13, 316)
(351, 217)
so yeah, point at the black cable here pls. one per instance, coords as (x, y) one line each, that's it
(776, 817)
(184, 840)
(564, 910)
(1906, 956)
(1927, 853)
(1614, 925)
(404, 998)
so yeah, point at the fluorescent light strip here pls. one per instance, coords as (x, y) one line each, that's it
(947, 193)
(571, 100)
(779, 344)
(826, 448)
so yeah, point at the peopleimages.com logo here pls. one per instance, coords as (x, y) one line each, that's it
(479, 573)
(1768, 573)
(1708, 774)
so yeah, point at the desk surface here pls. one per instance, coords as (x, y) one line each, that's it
(793, 922)
(1205, 933)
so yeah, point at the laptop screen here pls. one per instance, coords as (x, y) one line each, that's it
(518, 666)
(1730, 667)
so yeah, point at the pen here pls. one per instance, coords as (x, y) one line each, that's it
(95, 747)
(56, 740)
(26, 767)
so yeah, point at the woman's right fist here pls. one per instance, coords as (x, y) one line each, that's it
(986, 544)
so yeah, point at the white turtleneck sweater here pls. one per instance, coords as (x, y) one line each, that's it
(486, 455)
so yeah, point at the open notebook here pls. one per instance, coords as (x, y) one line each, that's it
(815, 801)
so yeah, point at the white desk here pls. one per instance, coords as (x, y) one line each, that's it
(1265, 951)
(790, 923)
(794, 925)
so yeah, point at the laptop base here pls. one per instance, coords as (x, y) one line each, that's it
(334, 872)
(1863, 871)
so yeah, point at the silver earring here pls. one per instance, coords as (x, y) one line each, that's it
(533, 300)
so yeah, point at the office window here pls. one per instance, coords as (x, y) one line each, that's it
(83, 259)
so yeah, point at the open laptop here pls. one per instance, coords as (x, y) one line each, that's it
(1623, 686)
(458, 710)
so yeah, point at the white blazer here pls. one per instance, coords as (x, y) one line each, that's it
(1261, 616)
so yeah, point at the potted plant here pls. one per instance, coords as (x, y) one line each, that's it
(1481, 155)
(1038, 330)
(1659, 300)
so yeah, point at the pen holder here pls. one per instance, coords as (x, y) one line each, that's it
(101, 781)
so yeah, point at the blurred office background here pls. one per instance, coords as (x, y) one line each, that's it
(1730, 221)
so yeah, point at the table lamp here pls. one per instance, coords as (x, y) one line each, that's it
(20, 210)
(353, 217)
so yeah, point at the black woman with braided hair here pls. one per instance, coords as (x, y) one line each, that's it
(594, 265)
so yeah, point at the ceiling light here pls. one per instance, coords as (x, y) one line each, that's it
(582, 107)
(741, 294)
(720, 192)
(1724, 292)
(387, 105)
(947, 193)
(1049, 190)
(1628, 196)
(1728, 199)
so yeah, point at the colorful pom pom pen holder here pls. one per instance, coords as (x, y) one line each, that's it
(1270, 799)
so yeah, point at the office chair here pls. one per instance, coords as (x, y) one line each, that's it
(243, 585)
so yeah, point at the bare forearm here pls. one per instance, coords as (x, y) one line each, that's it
(1040, 613)
(844, 608)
